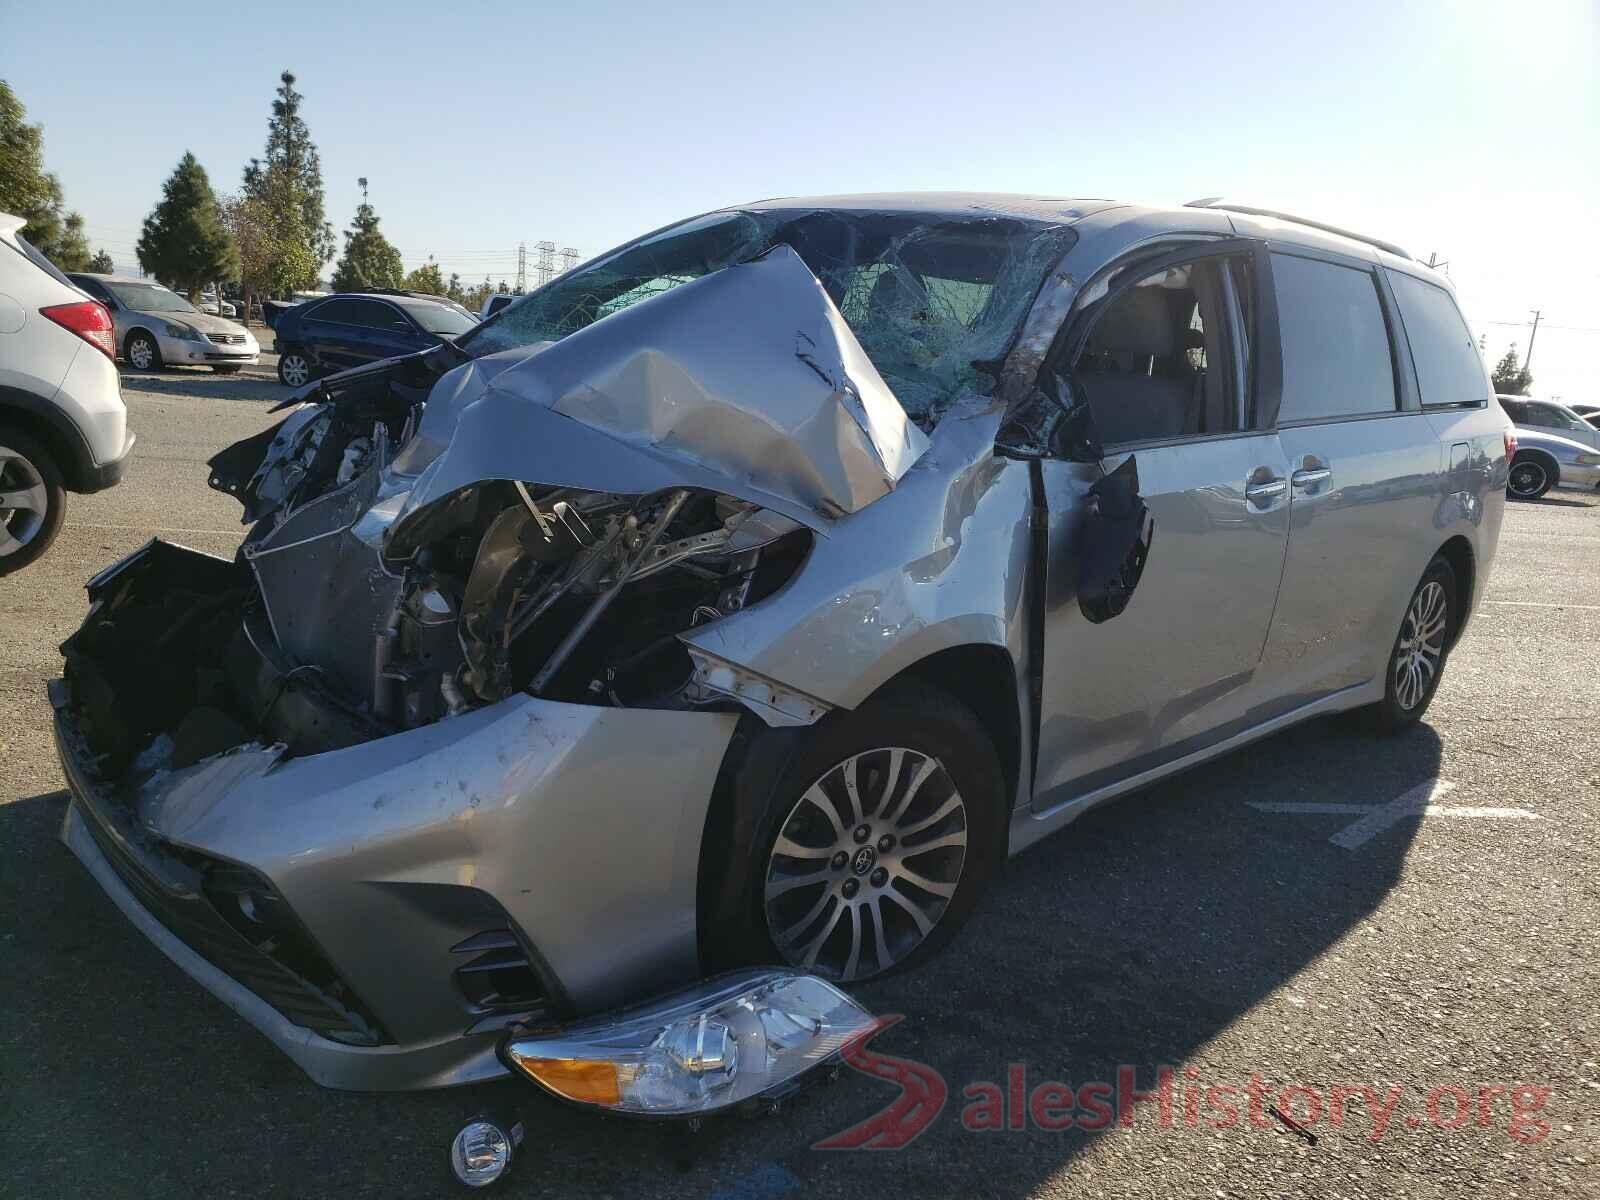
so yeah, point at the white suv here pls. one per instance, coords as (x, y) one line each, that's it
(63, 426)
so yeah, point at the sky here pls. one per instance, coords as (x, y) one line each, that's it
(1463, 129)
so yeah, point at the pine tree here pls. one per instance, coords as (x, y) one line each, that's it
(1510, 377)
(31, 192)
(101, 263)
(184, 243)
(290, 176)
(370, 260)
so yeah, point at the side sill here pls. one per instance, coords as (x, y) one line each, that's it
(1027, 826)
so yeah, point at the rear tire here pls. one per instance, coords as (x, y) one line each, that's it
(33, 500)
(785, 857)
(142, 351)
(1531, 476)
(1422, 647)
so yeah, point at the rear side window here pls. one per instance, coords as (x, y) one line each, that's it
(1336, 356)
(1449, 370)
(343, 311)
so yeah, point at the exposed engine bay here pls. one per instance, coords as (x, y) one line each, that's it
(322, 635)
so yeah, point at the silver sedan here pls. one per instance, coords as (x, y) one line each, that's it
(156, 327)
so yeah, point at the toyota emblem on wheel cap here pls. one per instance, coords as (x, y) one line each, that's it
(863, 860)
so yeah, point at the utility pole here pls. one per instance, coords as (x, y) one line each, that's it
(1527, 361)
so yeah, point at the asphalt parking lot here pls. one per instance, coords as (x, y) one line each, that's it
(1326, 910)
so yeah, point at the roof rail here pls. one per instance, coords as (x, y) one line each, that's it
(1251, 211)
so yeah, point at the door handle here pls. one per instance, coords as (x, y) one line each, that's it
(1267, 489)
(1310, 477)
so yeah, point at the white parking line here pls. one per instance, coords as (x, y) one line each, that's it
(1541, 604)
(1373, 819)
(149, 528)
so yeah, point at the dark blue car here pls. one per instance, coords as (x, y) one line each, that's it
(346, 330)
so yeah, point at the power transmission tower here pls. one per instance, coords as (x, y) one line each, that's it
(1527, 361)
(522, 267)
(569, 258)
(547, 262)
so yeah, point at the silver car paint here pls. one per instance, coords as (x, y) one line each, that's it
(786, 411)
(585, 823)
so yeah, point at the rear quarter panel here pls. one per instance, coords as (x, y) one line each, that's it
(1473, 500)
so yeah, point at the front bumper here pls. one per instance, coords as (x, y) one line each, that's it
(582, 825)
(1578, 475)
(182, 351)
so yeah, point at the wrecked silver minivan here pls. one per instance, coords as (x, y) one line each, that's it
(741, 597)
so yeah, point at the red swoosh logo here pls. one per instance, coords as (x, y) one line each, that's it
(921, 1099)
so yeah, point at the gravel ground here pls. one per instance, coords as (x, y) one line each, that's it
(1181, 928)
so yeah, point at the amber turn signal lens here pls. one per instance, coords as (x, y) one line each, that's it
(577, 1079)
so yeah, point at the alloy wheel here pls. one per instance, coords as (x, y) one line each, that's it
(1527, 479)
(866, 863)
(141, 353)
(24, 501)
(1421, 645)
(295, 370)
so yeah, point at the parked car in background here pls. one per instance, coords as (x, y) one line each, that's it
(1546, 416)
(156, 327)
(63, 426)
(495, 302)
(348, 329)
(1589, 412)
(210, 304)
(693, 614)
(1545, 459)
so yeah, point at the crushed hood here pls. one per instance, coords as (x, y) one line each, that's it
(745, 381)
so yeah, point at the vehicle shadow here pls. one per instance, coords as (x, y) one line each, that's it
(1134, 937)
(200, 382)
(1564, 501)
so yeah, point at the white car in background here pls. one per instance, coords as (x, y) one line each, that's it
(63, 426)
(156, 327)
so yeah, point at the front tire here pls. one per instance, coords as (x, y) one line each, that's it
(1421, 648)
(294, 369)
(871, 844)
(142, 352)
(33, 500)
(1530, 477)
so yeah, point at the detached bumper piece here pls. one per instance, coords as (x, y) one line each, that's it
(724, 1043)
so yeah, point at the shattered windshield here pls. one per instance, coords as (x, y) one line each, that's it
(934, 299)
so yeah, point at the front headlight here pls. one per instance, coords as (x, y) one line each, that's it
(717, 1044)
(184, 332)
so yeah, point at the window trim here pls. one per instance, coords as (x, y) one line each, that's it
(1405, 398)
(1074, 334)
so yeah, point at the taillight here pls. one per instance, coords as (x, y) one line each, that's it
(89, 320)
(1511, 444)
